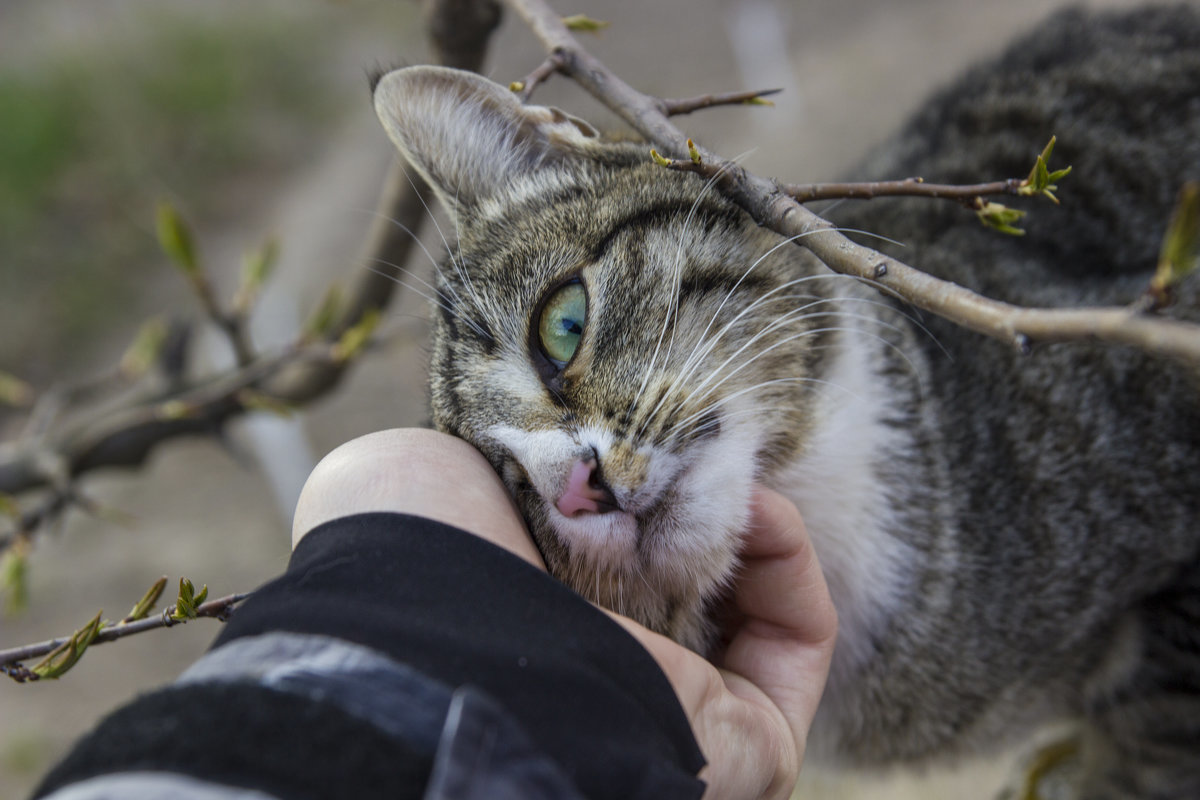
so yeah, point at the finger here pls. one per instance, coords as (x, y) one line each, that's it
(419, 472)
(785, 641)
(781, 587)
(694, 679)
(748, 742)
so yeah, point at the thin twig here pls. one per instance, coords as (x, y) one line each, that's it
(459, 32)
(769, 205)
(219, 609)
(51, 506)
(526, 87)
(678, 107)
(112, 438)
(229, 323)
(966, 194)
(234, 326)
(125, 436)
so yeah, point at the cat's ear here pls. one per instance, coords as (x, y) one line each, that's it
(469, 137)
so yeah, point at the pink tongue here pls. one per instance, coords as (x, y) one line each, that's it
(579, 496)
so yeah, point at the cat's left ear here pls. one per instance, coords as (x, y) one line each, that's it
(469, 137)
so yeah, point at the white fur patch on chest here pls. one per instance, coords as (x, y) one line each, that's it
(846, 509)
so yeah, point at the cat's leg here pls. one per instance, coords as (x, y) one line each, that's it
(1145, 737)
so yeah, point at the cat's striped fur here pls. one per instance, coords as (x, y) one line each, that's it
(1008, 539)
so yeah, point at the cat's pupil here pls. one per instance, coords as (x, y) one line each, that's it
(561, 324)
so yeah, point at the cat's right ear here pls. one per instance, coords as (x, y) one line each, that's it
(469, 137)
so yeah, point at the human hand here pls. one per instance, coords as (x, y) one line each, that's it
(414, 471)
(752, 710)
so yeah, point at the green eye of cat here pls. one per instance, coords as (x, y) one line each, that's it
(560, 326)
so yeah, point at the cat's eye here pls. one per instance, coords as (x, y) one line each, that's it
(560, 325)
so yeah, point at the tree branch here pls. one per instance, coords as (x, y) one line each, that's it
(124, 436)
(525, 88)
(10, 659)
(769, 205)
(909, 187)
(678, 107)
(459, 31)
(969, 195)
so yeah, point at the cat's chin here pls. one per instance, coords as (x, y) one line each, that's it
(663, 567)
(619, 560)
(610, 540)
(663, 544)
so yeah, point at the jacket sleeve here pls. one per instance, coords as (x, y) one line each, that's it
(401, 657)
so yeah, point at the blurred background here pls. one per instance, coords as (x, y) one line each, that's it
(254, 120)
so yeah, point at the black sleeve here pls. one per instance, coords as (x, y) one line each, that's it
(468, 613)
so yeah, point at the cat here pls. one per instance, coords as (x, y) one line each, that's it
(1008, 537)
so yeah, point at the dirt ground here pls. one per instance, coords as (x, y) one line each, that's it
(851, 69)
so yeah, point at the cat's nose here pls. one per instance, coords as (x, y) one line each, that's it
(586, 491)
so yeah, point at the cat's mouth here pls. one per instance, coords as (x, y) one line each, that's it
(660, 522)
(610, 538)
(615, 525)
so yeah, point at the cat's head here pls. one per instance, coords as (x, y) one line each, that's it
(619, 341)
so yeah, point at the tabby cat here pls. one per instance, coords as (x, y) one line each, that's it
(1008, 537)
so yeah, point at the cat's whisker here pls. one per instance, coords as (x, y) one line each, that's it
(458, 268)
(704, 348)
(914, 317)
(436, 265)
(709, 407)
(672, 305)
(436, 298)
(432, 298)
(412, 234)
(690, 363)
(459, 265)
(691, 397)
(796, 315)
(871, 234)
(853, 315)
(438, 228)
(412, 288)
(791, 317)
(784, 243)
(737, 284)
(679, 260)
(683, 423)
(763, 257)
(772, 296)
(757, 411)
(696, 358)
(383, 262)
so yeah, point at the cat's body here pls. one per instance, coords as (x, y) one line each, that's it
(1007, 538)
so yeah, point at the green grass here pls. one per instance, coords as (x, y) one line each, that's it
(89, 141)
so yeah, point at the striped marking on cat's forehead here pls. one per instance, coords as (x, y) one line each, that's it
(700, 217)
(532, 191)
